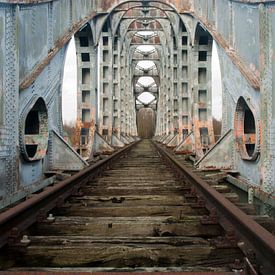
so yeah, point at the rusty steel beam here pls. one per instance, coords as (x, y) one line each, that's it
(230, 216)
(20, 217)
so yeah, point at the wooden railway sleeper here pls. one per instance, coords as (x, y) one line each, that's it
(229, 240)
(200, 202)
(42, 215)
(192, 193)
(14, 236)
(212, 218)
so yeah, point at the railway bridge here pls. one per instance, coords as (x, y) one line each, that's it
(127, 49)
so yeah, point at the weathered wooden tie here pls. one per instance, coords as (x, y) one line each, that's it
(136, 214)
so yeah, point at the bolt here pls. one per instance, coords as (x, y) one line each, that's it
(51, 218)
(25, 240)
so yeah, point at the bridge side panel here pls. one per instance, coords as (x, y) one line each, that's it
(234, 87)
(32, 37)
(246, 32)
(32, 29)
(223, 18)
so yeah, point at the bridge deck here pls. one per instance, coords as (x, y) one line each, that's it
(134, 215)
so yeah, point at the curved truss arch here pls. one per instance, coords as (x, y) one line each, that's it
(141, 3)
(127, 37)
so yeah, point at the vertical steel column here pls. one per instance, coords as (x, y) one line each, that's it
(106, 82)
(10, 182)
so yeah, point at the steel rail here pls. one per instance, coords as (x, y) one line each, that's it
(20, 217)
(256, 237)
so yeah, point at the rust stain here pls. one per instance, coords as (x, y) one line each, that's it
(252, 76)
(59, 44)
(184, 152)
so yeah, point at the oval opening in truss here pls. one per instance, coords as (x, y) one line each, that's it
(245, 130)
(146, 81)
(36, 134)
(146, 48)
(146, 64)
(145, 33)
(146, 98)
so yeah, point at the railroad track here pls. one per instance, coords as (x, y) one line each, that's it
(139, 209)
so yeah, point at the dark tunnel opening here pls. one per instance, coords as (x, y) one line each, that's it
(146, 122)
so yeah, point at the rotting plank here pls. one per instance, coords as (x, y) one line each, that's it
(123, 252)
(129, 200)
(132, 190)
(130, 211)
(123, 226)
